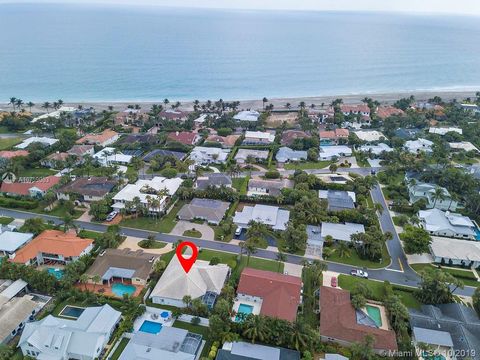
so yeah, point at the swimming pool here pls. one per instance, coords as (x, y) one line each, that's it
(150, 327)
(120, 289)
(478, 234)
(243, 309)
(72, 311)
(374, 313)
(58, 273)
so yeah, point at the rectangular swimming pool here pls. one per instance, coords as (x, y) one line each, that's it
(150, 327)
(72, 311)
(374, 313)
(243, 309)
(120, 289)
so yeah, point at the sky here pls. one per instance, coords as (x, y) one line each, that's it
(469, 7)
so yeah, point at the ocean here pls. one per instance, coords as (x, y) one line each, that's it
(95, 53)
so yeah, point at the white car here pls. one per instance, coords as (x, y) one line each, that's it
(112, 215)
(359, 273)
(238, 231)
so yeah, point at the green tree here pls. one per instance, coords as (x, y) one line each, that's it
(437, 287)
(416, 240)
(281, 257)
(364, 350)
(476, 300)
(255, 328)
(333, 168)
(34, 226)
(295, 237)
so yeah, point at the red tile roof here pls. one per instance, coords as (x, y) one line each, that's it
(184, 137)
(52, 242)
(6, 154)
(21, 188)
(289, 136)
(98, 139)
(280, 293)
(335, 134)
(338, 321)
(355, 108)
(384, 112)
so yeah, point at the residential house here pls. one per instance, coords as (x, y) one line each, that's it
(314, 241)
(384, 112)
(56, 160)
(269, 293)
(370, 135)
(330, 152)
(419, 145)
(36, 188)
(11, 241)
(6, 155)
(376, 150)
(342, 324)
(450, 251)
(435, 196)
(17, 308)
(474, 170)
(248, 115)
(208, 155)
(341, 232)
(212, 211)
(362, 110)
(203, 281)
(184, 137)
(271, 216)
(86, 189)
(439, 342)
(407, 134)
(245, 155)
(108, 156)
(141, 140)
(55, 114)
(226, 141)
(146, 190)
(174, 115)
(463, 146)
(289, 136)
(45, 141)
(58, 338)
(82, 150)
(259, 187)
(161, 152)
(122, 266)
(258, 138)
(440, 223)
(460, 321)
(246, 351)
(216, 180)
(285, 154)
(171, 343)
(338, 200)
(470, 107)
(324, 114)
(136, 117)
(52, 246)
(333, 136)
(105, 138)
(445, 130)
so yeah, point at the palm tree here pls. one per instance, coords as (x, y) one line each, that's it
(255, 328)
(18, 103)
(300, 335)
(83, 279)
(250, 249)
(187, 300)
(166, 102)
(281, 257)
(343, 250)
(288, 105)
(13, 101)
(264, 101)
(438, 194)
(46, 105)
(67, 222)
(30, 105)
(96, 279)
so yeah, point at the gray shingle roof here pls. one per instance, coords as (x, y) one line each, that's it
(216, 179)
(211, 210)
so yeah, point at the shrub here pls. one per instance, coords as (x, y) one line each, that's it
(195, 320)
(272, 174)
(214, 260)
(169, 173)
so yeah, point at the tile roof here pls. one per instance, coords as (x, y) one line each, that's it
(384, 112)
(355, 108)
(215, 179)
(184, 137)
(58, 156)
(289, 136)
(92, 186)
(338, 320)
(280, 293)
(80, 150)
(97, 138)
(53, 242)
(227, 141)
(211, 210)
(6, 154)
(24, 187)
(334, 134)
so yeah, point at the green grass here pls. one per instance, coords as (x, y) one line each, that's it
(197, 329)
(307, 165)
(355, 259)
(88, 234)
(7, 143)
(118, 351)
(5, 220)
(60, 211)
(466, 276)
(377, 289)
(155, 245)
(240, 184)
(192, 233)
(163, 225)
(310, 300)
(36, 172)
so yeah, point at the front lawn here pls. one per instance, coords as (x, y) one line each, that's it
(355, 259)
(240, 184)
(60, 211)
(163, 225)
(192, 233)
(118, 351)
(465, 275)
(36, 172)
(144, 244)
(5, 220)
(307, 165)
(7, 143)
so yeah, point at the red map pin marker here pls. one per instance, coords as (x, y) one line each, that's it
(187, 263)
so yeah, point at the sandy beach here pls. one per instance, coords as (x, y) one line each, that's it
(383, 98)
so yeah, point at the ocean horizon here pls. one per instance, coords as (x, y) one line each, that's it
(104, 53)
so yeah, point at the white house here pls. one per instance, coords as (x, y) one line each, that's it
(55, 114)
(109, 156)
(331, 151)
(11, 241)
(370, 135)
(448, 224)
(455, 252)
(419, 190)
(419, 145)
(269, 215)
(145, 189)
(463, 145)
(45, 141)
(258, 138)
(444, 130)
(82, 338)
(248, 115)
(375, 149)
(175, 283)
(341, 232)
(208, 155)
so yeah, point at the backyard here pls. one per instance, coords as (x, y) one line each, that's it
(164, 225)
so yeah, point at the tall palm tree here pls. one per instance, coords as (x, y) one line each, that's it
(264, 101)
(30, 105)
(255, 328)
(96, 279)
(438, 194)
(83, 279)
(300, 335)
(250, 249)
(12, 102)
(281, 257)
(46, 105)
(343, 250)
(18, 103)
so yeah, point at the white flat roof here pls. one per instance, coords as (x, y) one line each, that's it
(43, 140)
(12, 240)
(369, 135)
(455, 249)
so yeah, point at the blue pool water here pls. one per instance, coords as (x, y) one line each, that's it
(244, 309)
(121, 289)
(58, 273)
(150, 327)
(72, 311)
(478, 234)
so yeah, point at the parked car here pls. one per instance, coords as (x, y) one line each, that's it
(359, 273)
(238, 231)
(112, 215)
(333, 282)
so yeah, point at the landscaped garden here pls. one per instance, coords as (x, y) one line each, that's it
(164, 224)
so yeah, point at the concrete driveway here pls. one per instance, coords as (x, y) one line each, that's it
(182, 226)
(131, 243)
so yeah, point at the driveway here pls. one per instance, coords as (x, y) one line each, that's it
(131, 243)
(182, 226)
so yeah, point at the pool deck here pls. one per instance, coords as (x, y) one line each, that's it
(106, 290)
(149, 315)
(256, 306)
(383, 315)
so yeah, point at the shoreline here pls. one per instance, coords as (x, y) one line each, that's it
(385, 98)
